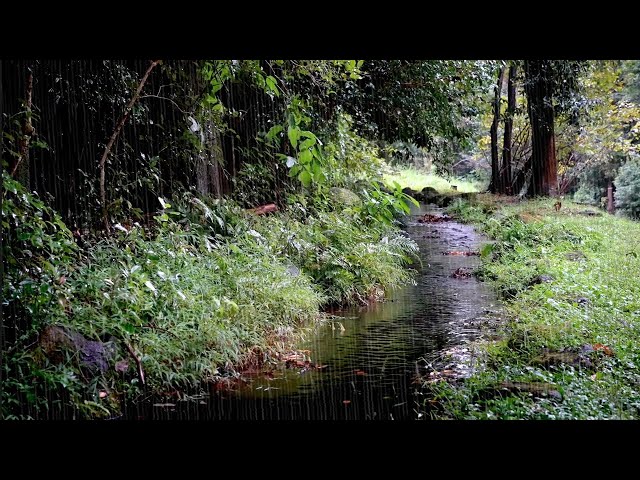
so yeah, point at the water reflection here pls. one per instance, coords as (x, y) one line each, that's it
(372, 355)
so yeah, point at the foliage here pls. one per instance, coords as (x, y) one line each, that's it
(591, 300)
(417, 101)
(37, 253)
(350, 157)
(192, 298)
(417, 180)
(627, 194)
(631, 78)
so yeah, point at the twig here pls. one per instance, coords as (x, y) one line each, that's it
(112, 140)
(165, 98)
(138, 362)
(27, 127)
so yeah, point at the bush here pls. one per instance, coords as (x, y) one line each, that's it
(627, 194)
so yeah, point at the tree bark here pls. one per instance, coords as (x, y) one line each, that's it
(610, 205)
(541, 116)
(507, 155)
(209, 162)
(495, 167)
(112, 141)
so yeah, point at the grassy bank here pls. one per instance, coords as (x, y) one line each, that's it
(571, 285)
(417, 180)
(185, 300)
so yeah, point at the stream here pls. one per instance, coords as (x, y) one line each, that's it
(373, 357)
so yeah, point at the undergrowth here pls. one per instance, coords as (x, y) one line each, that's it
(571, 284)
(182, 303)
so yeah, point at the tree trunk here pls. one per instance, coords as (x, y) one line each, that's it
(209, 162)
(610, 205)
(541, 117)
(495, 167)
(507, 155)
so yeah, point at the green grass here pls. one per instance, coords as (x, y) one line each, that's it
(417, 180)
(209, 288)
(532, 239)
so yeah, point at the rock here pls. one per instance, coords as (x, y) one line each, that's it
(443, 200)
(429, 191)
(589, 213)
(575, 256)
(582, 301)
(409, 191)
(94, 355)
(537, 389)
(549, 358)
(429, 194)
(293, 270)
(544, 278)
(345, 196)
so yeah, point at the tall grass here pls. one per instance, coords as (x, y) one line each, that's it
(191, 300)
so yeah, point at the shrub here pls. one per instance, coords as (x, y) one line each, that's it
(627, 193)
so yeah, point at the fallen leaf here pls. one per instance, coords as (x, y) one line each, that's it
(103, 394)
(603, 348)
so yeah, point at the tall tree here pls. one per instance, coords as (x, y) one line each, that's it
(539, 91)
(495, 165)
(507, 154)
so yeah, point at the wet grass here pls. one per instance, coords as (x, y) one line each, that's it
(417, 180)
(571, 284)
(208, 288)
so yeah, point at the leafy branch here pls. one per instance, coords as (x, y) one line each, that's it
(113, 138)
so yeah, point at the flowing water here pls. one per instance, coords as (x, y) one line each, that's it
(371, 357)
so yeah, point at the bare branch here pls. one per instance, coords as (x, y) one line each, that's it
(167, 99)
(112, 141)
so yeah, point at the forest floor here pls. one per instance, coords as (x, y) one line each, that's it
(570, 281)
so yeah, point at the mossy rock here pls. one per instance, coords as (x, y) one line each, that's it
(345, 196)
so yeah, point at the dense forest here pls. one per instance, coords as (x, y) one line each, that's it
(169, 224)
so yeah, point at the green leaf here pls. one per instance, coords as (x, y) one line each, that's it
(305, 178)
(305, 157)
(316, 168)
(309, 142)
(413, 200)
(295, 170)
(272, 85)
(294, 136)
(307, 134)
(273, 131)
(486, 250)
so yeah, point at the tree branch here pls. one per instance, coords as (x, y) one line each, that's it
(112, 141)
(167, 99)
(138, 362)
